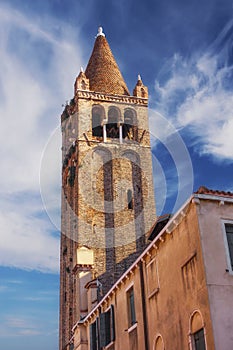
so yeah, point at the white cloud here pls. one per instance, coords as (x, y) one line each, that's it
(34, 82)
(26, 240)
(198, 95)
(18, 326)
(174, 178)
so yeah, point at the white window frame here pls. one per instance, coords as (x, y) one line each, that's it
(191, 334)
(228, 258)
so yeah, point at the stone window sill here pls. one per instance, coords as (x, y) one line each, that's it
(153, 293)
(131, 328)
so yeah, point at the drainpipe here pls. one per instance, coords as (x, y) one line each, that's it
(144, 313)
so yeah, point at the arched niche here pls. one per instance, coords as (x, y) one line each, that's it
(159, 343)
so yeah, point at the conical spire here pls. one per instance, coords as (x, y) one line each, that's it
(102, 70)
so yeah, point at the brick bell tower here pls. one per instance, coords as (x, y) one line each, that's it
(107, 187)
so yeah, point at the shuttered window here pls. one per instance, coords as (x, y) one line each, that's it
(94, 336)
(131, 307)
(229, 233)
(107, 327)
(199, 340)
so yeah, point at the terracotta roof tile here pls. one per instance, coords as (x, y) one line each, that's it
(205, 190)
(103, 71)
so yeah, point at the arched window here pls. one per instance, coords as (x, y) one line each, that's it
(197, 332)
(97, 119)
(143, 92)
(112, 128)
(83, 85)
(129, 126)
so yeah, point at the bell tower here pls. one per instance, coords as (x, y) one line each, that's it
(107, 187)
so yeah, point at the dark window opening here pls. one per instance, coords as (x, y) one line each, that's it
(131, 307)
(94, 336)
(143, 92)
(83, 85)
(71, 175)
(97, 118)
(229, 233)
(97, 129)
(199, 340)
(107, 327)
(130, 199)
(129, 129)
(112, 128)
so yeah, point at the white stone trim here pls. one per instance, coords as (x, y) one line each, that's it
(227, 252)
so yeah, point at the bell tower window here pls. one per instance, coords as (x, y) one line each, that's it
(129, 126)
(112, 127)
(97, 119)
(83, 85)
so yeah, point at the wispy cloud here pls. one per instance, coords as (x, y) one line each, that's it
(196, 94)
(39, 61)
(19, 326)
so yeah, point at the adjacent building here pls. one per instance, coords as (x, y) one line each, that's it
(178, 294)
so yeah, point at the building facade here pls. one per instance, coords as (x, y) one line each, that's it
(178, 292)
(107, 188)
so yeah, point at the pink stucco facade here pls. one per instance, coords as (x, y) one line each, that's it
(213, 212)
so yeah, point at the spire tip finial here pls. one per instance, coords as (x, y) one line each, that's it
(100, 32)
(139, 77)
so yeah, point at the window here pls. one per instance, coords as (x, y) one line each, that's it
(83, 85)
(94, 335)
(129, 126)
(197, 334)
(112, 125)
(131, 307)
(152, 278)
(97, 118)
(130, 199)
(107, 327)
(229, 238)
(71, 175)
(199, 340)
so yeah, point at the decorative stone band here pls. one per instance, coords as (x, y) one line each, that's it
(112, 98)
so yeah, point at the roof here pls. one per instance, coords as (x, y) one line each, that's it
(102, 70)
(205, 190)
(159, 225)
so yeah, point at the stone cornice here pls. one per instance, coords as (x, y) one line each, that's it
(98, 96)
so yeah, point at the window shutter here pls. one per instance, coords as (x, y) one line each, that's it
(93, 336)
(102, 330)
(229, 233)
(112, 323)
(108, 327)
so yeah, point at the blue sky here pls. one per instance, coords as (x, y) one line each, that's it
(183, 50)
